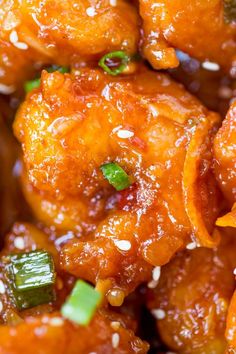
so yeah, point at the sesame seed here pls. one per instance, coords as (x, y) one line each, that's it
(2, 287)
(1, 306)
(156, 273)
(159, 314)
(91, 12)
(152, 284)
(19, 243)
(123, 245)
(21, 45)
(56, 321)
(115, 325)
(208, 65)
(113, 2)
(125, 134)
(234, 272)
(13, 37)
(115, 340)
(7, 90)
(191, 246)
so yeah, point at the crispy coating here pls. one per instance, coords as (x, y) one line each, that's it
(194, 292)
(231, 324)
(225, 155)
(196, 27)
(50, 334)
(61, 32)
(70, 126)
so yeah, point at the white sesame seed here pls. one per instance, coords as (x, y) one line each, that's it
(123, 245)
(56, 321)
(19, 243)
(208, 65)
(2, 287)
(159, 314)
(191, 246)
(1, 306)
(234, 272)
(91, 12)
(152, 284)
(13, 37)
(7, 90)
(113, 2)
(156, 273)
(115, 340)
(125, 134)
(21, 45)
(115, 325)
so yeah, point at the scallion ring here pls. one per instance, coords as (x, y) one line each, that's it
(116, 176)
(109, 62)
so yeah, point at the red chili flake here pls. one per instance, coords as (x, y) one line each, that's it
(127, 198)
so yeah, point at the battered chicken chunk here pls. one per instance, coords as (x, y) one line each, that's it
(42, 329)
(197, 27)
(225, 155)
(157, 133)
(61, 32)
(192, 298)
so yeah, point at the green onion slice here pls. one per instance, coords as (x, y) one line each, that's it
(230, 11)
(31, 277)
(32, 84)
(35, 83)
(116, 176)
(114, 63)
(82, 303)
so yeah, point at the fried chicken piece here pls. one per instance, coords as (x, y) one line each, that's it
(61, 32)
(192, 298)
(158, 133)
(225, 155)
(195, 27)
(51, 334)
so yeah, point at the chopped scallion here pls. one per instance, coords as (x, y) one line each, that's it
(82, 303)
(116, 176)
(31, 277)
(114, 63)
(32, 84)
(230, 11)
(35, 83)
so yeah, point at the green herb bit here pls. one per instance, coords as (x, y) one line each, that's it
(35, 83)
(61, 69)
(230, 11)
(116, 176)
(31, 277)
(82, 303)
(114, 63)
(32, 84)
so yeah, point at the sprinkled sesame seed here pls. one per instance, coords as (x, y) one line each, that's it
(115, 325)
(113, 2)
(91, 12)
(152, 284)
(7, 90)
(1, 306)
(19, 243)
(56, 321)
(159, 314)
(125, 134)
(191, 246)
(156, 273)
(21, 45)
(2, 287)
(115, 340)
(13, 37)
(123, 245)
(234, 272)
(208, 65)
